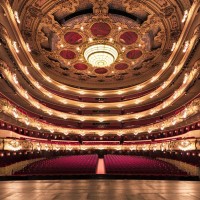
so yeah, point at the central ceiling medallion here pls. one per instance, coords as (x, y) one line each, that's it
(100, 55)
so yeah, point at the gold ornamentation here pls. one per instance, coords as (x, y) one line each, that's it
(100, 7)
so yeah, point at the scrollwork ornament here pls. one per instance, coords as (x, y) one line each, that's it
(197, 30)
(69, 5)
(3, 31)
(14, 143)
(35, 12)
(100, 7)
(131, 5)
(168, 11)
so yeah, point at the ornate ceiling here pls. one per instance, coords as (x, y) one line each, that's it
(142, 32)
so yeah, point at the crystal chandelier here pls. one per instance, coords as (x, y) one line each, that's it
(100, 55)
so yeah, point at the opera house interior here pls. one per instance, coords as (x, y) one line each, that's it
(100, 90)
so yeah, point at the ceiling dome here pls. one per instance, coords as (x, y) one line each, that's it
(67, 35)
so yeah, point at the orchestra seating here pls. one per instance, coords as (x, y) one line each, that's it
(81, 164)
(137, 165)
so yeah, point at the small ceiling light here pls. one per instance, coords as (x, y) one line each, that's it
(48, 79)
(120, 119)
(28, 47)
(101, 120)
(100, 93)
(164, 85)
(82, 105)
(186, 46)
(153, 78)
(173, 46)
(26, 95)
(37, 85)
(185, 16)
(37, 105)
(50, 112)
(185, 78)
(17, 17)
(81, 92)
(111, 40)
(139, 87)
(164, 66)
(64, 102)
(119, 105)
(37, 66)
(15, 79)
(119, 92)
(90, 39)
(63, 87)
(26, 70)
(101, 106)
(82, 119)
(78, 49)
(15, 46)
(26, 120)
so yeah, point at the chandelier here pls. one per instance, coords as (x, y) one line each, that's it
(100, 55)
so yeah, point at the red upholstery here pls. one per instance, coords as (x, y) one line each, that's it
(81, 164)
(120, 164)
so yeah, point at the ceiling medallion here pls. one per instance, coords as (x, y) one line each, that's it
(100, 55)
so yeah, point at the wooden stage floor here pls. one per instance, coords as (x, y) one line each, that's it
(99, 189)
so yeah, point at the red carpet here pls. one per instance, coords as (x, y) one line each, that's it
(101, 167)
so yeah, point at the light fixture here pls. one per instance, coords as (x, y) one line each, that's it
(173, 46)
(185, 16)
(111, 40)
(15, 46)
(26, 70)
(37, 85)
(186, 46)
(100, 55)
(28, 47)
(26, 95)
(16, 17)
(15, 79)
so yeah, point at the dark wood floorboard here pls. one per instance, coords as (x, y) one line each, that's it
(99, 190)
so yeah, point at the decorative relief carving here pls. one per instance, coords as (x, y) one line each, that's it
(3, 30)
(35, 12)
(69, 5)
(197, 30)
(26, 145)
(175, 34)
(40, 3)
(14, 143)
(174, 22)
(168, 11)
(131, 5)
(100, 7)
